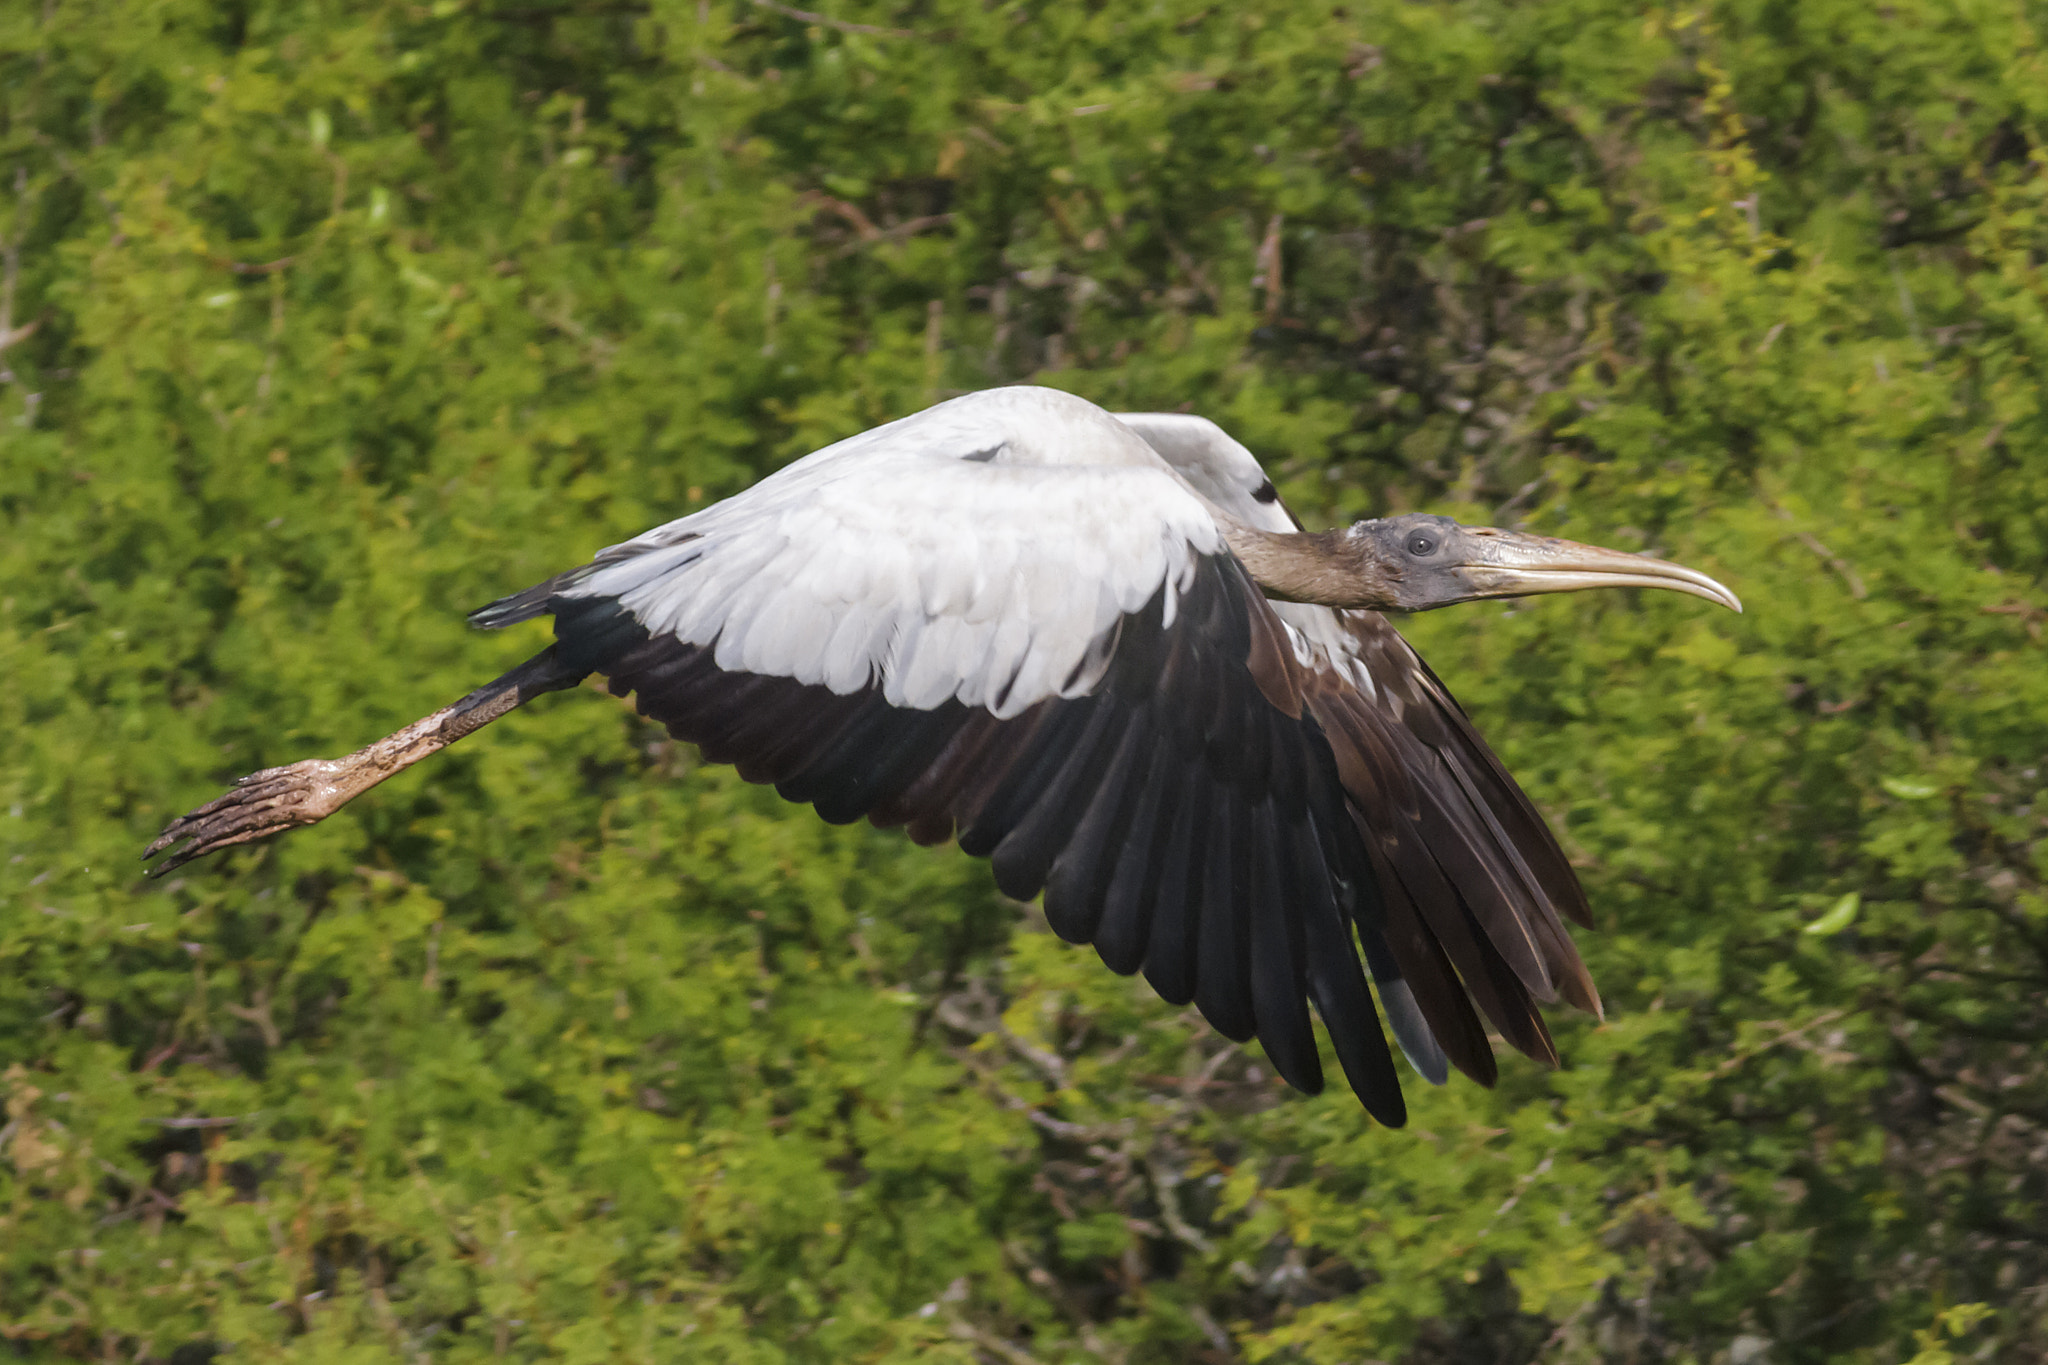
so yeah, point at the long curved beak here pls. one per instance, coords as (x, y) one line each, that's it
(1510, 564)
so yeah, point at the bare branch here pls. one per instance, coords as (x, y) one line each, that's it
(1826, 556)
(825, 21)
(1164, 1182)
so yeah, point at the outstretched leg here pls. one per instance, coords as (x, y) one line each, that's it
(277, 799)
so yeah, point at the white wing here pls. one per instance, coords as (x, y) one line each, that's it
(978, 552)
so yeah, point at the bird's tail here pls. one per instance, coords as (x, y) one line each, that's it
(540, 599)
(526, 605)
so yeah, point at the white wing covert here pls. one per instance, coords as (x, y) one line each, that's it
(935, 577)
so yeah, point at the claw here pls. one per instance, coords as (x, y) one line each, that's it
(261, 804)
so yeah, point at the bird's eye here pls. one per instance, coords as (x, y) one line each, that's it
(1265, 492)
(1421, 545)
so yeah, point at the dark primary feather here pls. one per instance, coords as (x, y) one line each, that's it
(1025, 856)
(1123, 925)
(1176, 906)
(1082, 878)
(1279, 955)
(1223, 933)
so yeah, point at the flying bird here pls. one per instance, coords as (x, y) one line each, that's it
(1100, 652)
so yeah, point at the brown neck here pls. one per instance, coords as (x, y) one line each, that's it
(1321, 567)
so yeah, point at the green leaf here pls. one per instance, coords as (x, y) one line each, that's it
(1909, 789)
(1839, 916)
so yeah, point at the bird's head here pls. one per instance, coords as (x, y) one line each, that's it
(1418, 563)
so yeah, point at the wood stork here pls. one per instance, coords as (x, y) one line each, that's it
(1101, 652)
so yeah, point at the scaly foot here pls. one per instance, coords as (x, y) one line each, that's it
(259, 805)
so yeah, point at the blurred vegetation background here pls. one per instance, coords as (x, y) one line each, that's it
(322, 323)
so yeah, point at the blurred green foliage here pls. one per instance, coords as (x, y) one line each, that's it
(324, 322)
